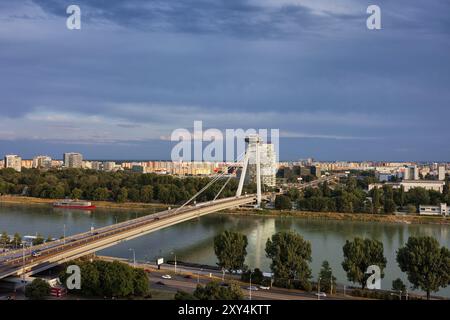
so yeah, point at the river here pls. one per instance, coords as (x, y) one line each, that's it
(192, 241)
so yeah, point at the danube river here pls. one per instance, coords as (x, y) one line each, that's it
(192, 241)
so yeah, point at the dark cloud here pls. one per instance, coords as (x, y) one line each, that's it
(162, 64)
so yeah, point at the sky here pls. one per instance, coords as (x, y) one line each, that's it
(137, 70)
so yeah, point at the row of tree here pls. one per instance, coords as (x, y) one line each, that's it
(351, 197)
(110, 279)
(425, 262)
(15, 242)
(119, 186)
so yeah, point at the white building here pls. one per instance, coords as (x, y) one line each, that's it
(410, 184)
(411, 173)
(109, 165)
(13, 161)
(441, 173)
(73, 160)
(441, 210)
(42, 162)
(268, 166)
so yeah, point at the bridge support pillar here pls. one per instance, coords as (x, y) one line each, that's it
(252, 153)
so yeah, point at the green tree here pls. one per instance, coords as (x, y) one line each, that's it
(327, 280)
(230, 248)
(17, 240)
(38, 289)
(426, 264)
(76, 193)
(257, 276)
(38, 240)
(147, 194)
(214, 291)
(398, 285)
(376, 200)
(122, 195)
(290, 255)
(283, 202)
(359, 254)
(101, 194)
(4, 239)
(140, 283)
(389, 204)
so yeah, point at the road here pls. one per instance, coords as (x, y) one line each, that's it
(52, 253)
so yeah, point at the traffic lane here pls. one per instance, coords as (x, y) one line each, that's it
(189, 285)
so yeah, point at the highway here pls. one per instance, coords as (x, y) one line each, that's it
(50, 254)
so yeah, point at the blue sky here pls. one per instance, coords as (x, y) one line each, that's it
(138, 69)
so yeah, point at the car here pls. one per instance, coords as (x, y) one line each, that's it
(160, 283)
(35, 253)
(264, 287)
(188, 276)
(252, 288)
(320, 294)
(166, 276)
(156, 219)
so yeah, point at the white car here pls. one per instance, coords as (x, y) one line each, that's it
(321, 294)
(166, 276)
(264, 288)
(252, 288)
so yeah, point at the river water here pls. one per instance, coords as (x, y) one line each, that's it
(192, 241)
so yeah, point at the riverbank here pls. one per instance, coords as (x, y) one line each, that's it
(366, 217)
(98, 204)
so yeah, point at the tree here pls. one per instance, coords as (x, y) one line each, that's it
(376, 200)
(359, 254)
(4, 239)
(327, 280)
(257, 276)
(283, 202)
(146, 193)
(140, 283)
(38, 240)
(230, 248)
(214, 291)
(389, 204)
(290, 255)
(122, 195)
(17, 240)
(426, 264)
(76, 193)
(398, 285)
(38, 289)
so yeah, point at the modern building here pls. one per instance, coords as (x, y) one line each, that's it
(73, 160)
(410, 184)
(441, 173)
(109, 165)
(315, 171)
(42, 162)
(441, 210)
(268, 166)
(13, 161)
(411, 173)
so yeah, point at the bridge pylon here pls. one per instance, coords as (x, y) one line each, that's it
(252, 153)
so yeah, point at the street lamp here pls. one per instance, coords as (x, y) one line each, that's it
(318, 289)
(134, 257)
(64, 234)
(175, 264)
(250, 287)
(23, 262)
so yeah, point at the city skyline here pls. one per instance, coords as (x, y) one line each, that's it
(127, 79)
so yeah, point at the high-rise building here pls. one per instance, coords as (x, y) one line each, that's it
(315, 170)
(42, 162)
(73, 160)
(441, 173)
(268, 166)
(13, 161)
(109, 165)
(411, 173)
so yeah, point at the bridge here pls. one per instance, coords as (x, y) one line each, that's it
(24, 262)
(28, 261)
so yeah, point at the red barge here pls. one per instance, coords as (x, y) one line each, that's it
(74, 204)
